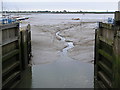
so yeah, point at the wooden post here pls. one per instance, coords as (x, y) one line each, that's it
(117, 18)
(0, 58)
(24, 49)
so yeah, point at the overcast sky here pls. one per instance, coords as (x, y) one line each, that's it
(53, 5)
(61, 0)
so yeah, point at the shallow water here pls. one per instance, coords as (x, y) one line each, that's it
(64, 73)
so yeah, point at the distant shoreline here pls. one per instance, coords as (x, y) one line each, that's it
(58, 12)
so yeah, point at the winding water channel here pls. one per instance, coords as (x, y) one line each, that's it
(69, 44)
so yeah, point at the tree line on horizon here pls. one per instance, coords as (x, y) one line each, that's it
(64, 11)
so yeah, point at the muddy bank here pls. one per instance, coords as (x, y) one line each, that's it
(47, 46)
(82, 37)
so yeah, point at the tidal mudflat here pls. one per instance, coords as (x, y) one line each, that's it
(63, 50)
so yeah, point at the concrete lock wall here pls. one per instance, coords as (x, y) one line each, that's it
(107, 54)
(13, 61)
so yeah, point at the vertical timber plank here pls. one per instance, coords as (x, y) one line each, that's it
(116, 67)
(97, 32)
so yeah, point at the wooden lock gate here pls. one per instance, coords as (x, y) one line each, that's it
(12, 58)
(107, 54)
